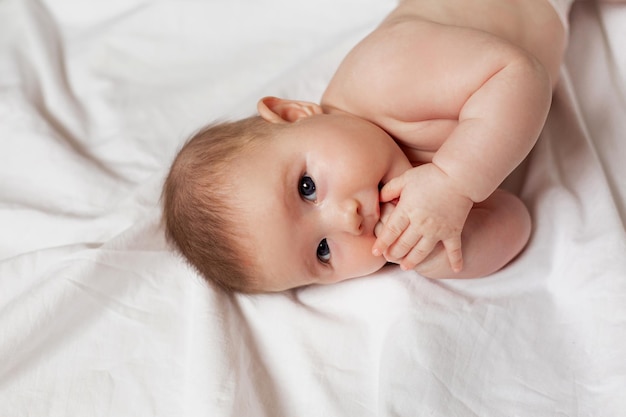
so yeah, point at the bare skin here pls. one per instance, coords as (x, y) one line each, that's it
(462, 89)
(464, 133)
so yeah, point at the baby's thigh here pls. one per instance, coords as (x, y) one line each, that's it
(504, 216)
(496, 231)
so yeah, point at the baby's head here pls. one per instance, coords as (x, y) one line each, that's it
(198, 200)
(283, 200)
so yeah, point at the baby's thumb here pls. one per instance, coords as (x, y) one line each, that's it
(392, 190)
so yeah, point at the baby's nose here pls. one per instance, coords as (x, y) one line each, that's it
(346, 217)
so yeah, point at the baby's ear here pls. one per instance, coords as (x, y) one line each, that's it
(280, 110)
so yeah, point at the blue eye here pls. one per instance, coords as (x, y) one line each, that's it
(323, 252)
(306, 188)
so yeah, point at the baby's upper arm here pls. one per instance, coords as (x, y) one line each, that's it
(414, 73)
(414, 70)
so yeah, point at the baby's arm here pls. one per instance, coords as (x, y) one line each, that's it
(498, 124)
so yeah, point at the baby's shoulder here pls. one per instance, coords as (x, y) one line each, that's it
(412, 69)
(405, 43)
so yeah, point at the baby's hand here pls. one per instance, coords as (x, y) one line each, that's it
(429, 210)
(385, 212)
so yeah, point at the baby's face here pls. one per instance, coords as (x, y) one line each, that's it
(309, 200)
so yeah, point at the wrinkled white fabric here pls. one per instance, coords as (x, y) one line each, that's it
(98, 318)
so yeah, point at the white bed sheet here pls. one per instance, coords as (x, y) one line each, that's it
(98, 318)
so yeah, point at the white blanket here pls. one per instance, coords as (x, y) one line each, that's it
(99, 318)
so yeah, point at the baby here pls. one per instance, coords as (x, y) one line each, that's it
(401, 161)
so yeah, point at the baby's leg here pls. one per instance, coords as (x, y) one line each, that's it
(496, 231)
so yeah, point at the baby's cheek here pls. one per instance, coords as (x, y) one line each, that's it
(367, 262)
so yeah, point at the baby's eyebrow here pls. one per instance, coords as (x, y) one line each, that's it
(288, 189)
(290, 175)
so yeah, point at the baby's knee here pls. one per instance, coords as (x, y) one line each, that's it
(509, 217)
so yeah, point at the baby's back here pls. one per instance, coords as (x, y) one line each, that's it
(525, 23)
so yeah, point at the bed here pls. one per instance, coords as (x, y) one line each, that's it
(99, 318)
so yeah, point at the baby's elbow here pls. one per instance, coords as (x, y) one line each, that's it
(531, 90)
(538, 79)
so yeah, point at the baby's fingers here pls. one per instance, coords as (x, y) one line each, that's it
(390, 233)
(404, 244)
(385, 212)
(455, 254)
(392, 189)
(418, 253)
